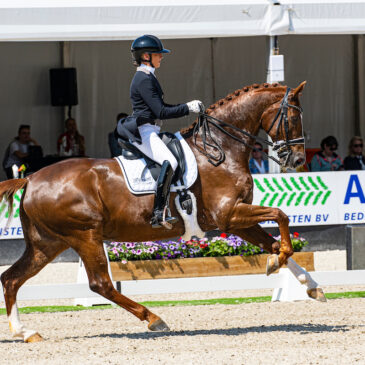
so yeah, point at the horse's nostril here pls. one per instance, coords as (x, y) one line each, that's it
(299, 161)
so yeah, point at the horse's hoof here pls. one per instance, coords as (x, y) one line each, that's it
(158, 325)
(34, 338)
(272, 264)
(317, 294)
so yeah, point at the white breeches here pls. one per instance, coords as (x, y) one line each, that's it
(153, 147)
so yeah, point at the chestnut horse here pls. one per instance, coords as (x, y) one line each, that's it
(79, 203)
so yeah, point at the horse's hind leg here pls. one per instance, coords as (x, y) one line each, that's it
(96, 265)
(36, 255)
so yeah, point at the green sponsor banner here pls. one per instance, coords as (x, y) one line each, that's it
(315, 198)
(288, 191)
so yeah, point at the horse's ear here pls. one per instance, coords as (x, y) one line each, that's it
(299, 89)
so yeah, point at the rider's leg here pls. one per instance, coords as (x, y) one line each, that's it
(154, 148)
(160, 217)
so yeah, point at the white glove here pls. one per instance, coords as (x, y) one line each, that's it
(195, 106)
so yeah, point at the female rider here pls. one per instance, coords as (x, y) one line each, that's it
(142, 127)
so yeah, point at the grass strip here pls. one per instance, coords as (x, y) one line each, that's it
(351, 294)
(173, 303)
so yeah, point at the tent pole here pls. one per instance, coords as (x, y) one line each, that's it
(355, 41)
(359, 84)
(274, 168)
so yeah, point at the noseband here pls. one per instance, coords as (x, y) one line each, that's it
(282, 147)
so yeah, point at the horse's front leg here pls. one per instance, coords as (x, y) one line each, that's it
(304, 278)
(257, 236)
(247, 215)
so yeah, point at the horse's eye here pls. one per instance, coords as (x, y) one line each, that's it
(296, 118)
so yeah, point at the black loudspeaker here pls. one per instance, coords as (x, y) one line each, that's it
(63, 86)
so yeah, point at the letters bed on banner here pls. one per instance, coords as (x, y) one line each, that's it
(315, 198)
(309, 199)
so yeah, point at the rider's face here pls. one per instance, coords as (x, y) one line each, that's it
(155, 58)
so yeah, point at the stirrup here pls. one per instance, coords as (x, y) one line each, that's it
(160, 219)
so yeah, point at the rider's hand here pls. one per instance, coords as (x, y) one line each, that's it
(195, 106)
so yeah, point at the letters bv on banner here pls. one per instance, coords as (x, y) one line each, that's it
(315, 198)
(309, 199)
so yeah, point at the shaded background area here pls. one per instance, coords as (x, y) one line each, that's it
(205, 69)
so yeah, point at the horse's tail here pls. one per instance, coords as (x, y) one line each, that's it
(8, 188)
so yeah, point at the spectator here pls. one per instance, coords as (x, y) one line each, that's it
(355, 160)
(327, 159)
(257, 164)
(71, 143)
(18, 150)
(115, 149)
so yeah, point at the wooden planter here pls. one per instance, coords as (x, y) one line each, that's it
(199, 267)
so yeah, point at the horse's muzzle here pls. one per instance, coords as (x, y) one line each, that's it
(298, 159)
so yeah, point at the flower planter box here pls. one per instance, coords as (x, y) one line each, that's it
(199, 267)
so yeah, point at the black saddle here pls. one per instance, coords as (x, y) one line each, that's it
(131, 152)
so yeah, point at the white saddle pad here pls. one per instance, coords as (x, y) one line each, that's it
(138, 184)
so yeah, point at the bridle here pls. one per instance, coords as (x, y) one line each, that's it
(282, 147)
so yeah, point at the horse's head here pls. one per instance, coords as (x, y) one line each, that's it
(283, 122)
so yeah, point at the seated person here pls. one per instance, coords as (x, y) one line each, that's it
(18, 152)
(115, 149)
(327, 159)
(71, 143)
(257, 164)
(355, 160)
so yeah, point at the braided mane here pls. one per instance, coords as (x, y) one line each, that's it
(229, 98)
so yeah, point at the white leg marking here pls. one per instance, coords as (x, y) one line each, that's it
(16, 327)
(190, 221)
(301, 274)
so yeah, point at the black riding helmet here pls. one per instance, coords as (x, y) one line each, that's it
(146, 44)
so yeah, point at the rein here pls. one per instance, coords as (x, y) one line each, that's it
(282, 147)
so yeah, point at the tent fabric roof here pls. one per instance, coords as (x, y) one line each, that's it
(42, 20)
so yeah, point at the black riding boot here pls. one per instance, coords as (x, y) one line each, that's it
(161, 198)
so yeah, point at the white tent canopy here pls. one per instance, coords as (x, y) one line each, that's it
(44, 20)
